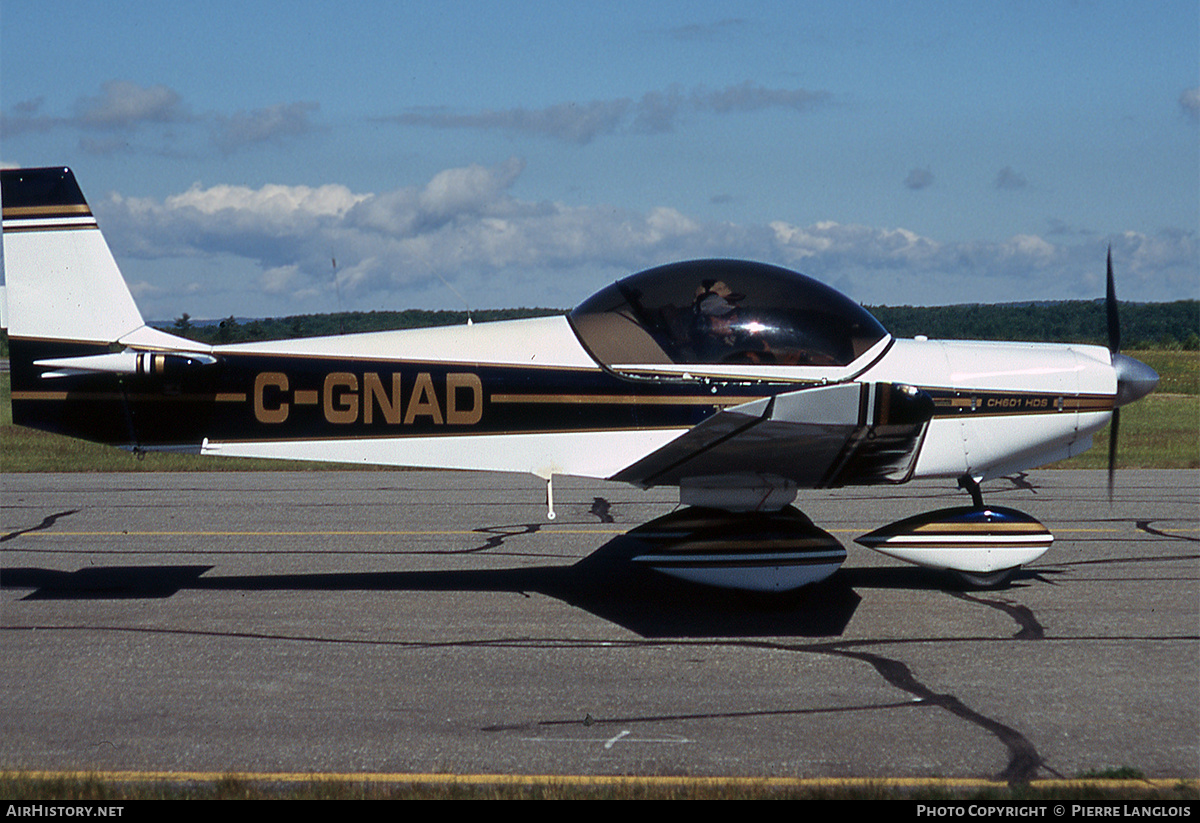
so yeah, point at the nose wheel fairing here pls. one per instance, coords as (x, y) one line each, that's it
(977, 540)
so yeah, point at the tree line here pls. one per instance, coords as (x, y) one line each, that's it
(232, 330)
(1143, 325)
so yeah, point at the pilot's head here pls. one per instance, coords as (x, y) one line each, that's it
(715, 299)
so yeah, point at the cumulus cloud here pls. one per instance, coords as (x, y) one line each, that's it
(270, 226)
(273, 203)
(463, 231)
(837, 243)
(654, 112)
(918, 179)
(469, 190)
(462, 218)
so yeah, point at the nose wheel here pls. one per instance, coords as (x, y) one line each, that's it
(981, 580)
(989, 580)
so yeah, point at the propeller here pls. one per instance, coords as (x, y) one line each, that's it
(1110, 305)
(1134, 378)
(1114, 348)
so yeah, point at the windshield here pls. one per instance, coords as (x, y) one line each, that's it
(724, 311)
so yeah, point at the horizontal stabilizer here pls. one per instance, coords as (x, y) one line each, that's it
(124, 362)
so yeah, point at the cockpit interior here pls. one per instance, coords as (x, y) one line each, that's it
(723, 312)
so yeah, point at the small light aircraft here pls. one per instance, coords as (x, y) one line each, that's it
(737, 382)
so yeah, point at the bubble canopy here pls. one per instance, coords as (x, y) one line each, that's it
(723, 311)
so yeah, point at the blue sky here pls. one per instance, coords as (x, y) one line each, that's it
(493, 154)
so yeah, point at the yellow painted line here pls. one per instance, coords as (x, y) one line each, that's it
(440, 778)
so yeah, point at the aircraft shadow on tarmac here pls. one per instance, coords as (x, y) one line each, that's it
(604, 583)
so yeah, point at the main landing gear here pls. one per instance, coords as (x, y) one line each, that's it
(982, 546)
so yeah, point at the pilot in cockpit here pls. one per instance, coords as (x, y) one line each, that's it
(719, 332)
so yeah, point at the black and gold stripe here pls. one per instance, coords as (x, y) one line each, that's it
(44, 200)
(984, 403)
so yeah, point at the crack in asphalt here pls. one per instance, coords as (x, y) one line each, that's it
(1024, 760)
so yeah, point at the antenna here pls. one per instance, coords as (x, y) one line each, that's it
(459, 296)
(337, 287)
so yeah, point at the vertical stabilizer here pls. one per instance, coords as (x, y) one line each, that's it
(60, 279)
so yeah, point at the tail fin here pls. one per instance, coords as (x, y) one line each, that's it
(60, 279)
(64, 304)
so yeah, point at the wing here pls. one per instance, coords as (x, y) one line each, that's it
(844, 434)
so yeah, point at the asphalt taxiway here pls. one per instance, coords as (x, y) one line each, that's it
(437, 621)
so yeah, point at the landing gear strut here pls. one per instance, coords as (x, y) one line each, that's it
(972, 486)
(967, 541)
(981, 580)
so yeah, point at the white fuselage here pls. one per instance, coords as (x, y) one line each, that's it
(1018, 402)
